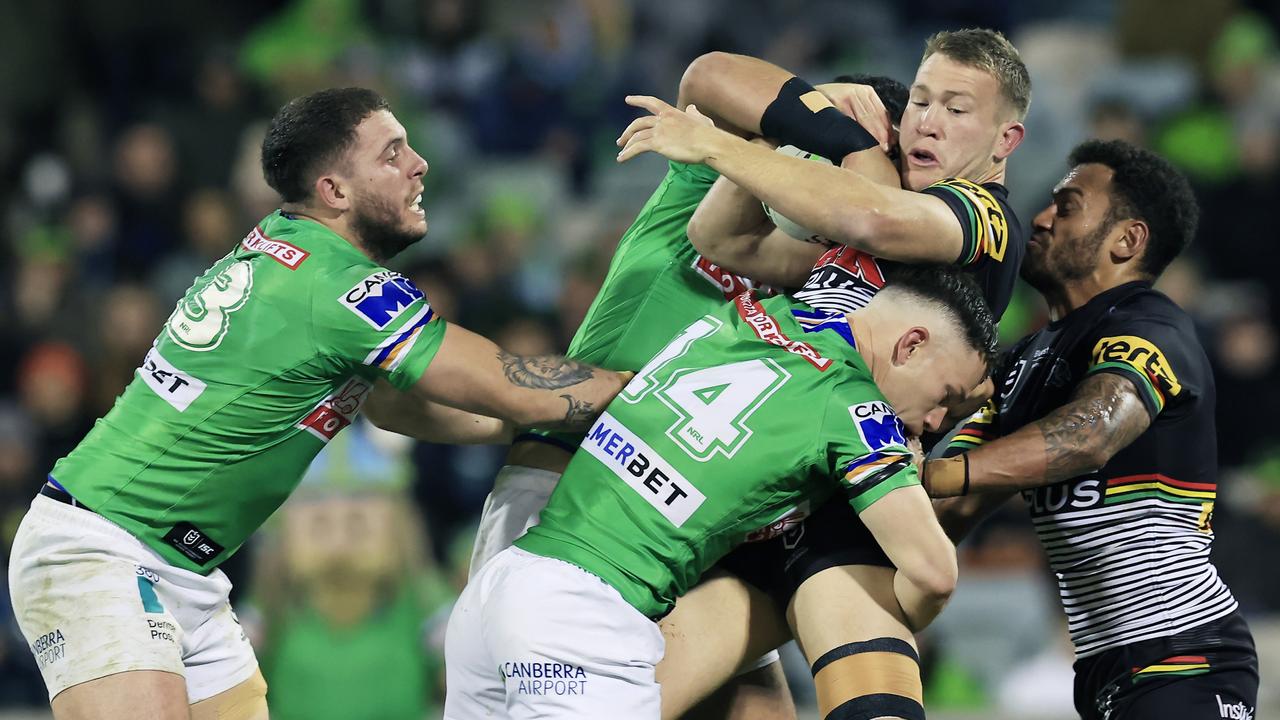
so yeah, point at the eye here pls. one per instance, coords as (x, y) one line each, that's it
(919, 103)
(392, 157)
(957, 111)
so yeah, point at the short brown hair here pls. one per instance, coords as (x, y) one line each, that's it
(990, 51)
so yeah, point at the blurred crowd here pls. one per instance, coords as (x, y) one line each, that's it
(129, 147)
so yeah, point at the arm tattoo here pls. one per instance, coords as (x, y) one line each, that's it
(579, 415)
(1103, 417)
(543, 372)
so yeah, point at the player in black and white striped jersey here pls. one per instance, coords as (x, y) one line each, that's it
(1104, 421)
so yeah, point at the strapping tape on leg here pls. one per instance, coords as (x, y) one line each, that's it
(870, 679)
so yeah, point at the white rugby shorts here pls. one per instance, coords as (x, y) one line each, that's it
(93, 601)
(535, 637)
(518, 496)
(514, 505)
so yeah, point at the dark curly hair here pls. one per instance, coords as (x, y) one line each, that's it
(956, 292)
(1146, 187)
(892, 93)
(310, 133)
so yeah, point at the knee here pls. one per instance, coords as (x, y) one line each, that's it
(875, 678)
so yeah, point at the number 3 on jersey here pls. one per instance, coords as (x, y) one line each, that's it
(712, 404)
(200, 320)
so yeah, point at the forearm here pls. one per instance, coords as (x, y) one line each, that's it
(833, 202)
(918, 607)
(731, 230)
(555, 392)
(958, 516)
(410, 414)
(1104, 416)
(734, 90)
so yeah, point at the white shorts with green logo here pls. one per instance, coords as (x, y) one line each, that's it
(93, 601)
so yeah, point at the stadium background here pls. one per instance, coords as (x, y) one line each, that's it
(129, 162)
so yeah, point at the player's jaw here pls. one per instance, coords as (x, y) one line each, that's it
(386, 227)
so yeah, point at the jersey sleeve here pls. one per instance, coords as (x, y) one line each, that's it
(699, 177)
(983, 218)
(868, 449)
(978, 429)
(379, 319)
(1155, 353)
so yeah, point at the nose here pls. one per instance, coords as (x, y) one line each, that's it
(419, 166)
(1043, 221)
(927, 124)
(934, 419)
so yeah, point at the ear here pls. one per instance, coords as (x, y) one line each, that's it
(1010, 138)
(1132, 242)
(331, 192)
(910, 342)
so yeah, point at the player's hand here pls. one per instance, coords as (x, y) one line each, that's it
(917, 453)
(861, 103)
(688, 136)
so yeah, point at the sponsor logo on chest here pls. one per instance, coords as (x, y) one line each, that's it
(337, 410)
(646, 472)
(172, 385)
(1064, 497)
(287, 254)
(381, 297)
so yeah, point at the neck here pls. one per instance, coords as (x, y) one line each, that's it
(1075, 293)
(993, 174)
(863, 337)
(331, 219)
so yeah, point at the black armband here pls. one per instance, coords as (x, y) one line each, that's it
(826, 132)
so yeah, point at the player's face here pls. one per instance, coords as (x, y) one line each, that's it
(925, 385)
(1068, 237)
(386, 180)
(952, 125)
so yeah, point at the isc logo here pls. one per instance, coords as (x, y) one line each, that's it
(381, 297)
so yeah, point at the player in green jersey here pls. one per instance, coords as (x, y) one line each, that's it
(748, 413)
(963, 120)
(270, 353)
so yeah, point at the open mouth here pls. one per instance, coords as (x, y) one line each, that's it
(416, 205)
(922, 158)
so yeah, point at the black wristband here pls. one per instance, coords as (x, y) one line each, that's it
(827, 132)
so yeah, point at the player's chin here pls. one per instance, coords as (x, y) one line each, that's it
(918, 178)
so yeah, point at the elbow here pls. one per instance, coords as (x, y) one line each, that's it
(701, 74)
(378, 411)
(937, 576)
(699, 238)
(860, 228)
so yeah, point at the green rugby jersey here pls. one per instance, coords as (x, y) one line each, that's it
(657, 282)
(269, 354)
(747, 415)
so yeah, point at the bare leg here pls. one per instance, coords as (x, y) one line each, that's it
(719, 627)
(246, 701)
(132, 695)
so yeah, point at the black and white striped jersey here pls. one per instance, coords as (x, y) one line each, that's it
(1129, 544)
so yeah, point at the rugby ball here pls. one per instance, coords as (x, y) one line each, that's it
(785, 224)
